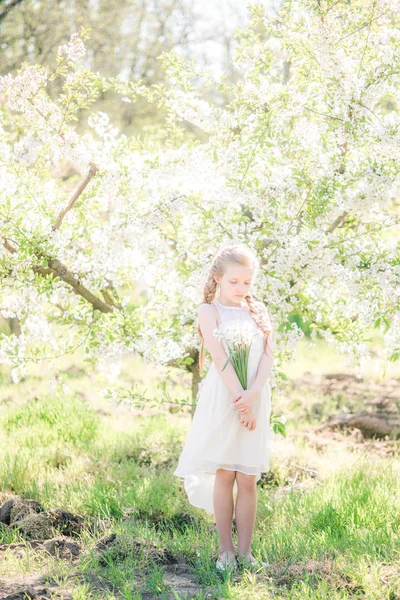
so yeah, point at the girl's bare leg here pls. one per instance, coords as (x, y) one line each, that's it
(223, 507)
(245, 511)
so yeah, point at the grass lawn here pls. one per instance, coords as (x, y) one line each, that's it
(328, 515)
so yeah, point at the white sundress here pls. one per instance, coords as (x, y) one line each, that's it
(216, 438)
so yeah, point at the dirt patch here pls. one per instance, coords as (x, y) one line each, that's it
(31, 585)
(182, 579)
(61, 547)
(177, 572)
(372, 407)
(381, 394)
(38, 587)
(311, 570)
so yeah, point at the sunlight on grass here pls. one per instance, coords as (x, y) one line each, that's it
(335, 534)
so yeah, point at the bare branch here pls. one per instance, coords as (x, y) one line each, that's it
(337, 222)
(8, 246)
(322, 114)
(7, 7)
(56, 268)
(108, 298)
(362, 26)
(92, 171)
(332, 6)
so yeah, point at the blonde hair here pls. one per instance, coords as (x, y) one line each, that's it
(242, 256)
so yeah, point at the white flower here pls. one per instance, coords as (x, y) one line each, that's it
(73, 49)
(235, 333)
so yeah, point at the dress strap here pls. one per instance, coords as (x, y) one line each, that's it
(219, 309)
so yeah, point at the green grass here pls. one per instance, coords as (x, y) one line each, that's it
(336, 536)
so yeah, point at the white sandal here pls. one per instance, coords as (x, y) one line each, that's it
(252, 562)
(226, 560)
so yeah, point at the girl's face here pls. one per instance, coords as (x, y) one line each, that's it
(235, 283)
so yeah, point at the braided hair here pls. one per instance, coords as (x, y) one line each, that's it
(241, 255)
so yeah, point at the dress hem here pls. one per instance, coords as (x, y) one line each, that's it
(183, 475)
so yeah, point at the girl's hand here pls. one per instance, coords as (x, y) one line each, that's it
(244, 402)
(249, 421)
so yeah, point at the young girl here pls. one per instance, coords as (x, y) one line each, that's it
(228, 444)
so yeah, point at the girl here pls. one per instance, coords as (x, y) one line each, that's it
(228, 444)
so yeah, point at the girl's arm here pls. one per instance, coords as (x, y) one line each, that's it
(264, 369)
(207, 322)
(266, 360)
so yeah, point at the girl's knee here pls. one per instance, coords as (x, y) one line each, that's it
(246, 481)
(225, 476)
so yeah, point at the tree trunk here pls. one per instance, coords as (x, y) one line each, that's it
(13, 323)
(195, 371)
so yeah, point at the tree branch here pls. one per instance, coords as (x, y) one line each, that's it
(57, 269)
(7, 7)
(92, 171)
(337, 222)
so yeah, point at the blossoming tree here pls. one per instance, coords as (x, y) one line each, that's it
(301, 164)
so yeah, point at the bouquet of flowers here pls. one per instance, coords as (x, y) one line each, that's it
(238, 336)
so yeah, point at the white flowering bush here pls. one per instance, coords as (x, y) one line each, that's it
(301, 164)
